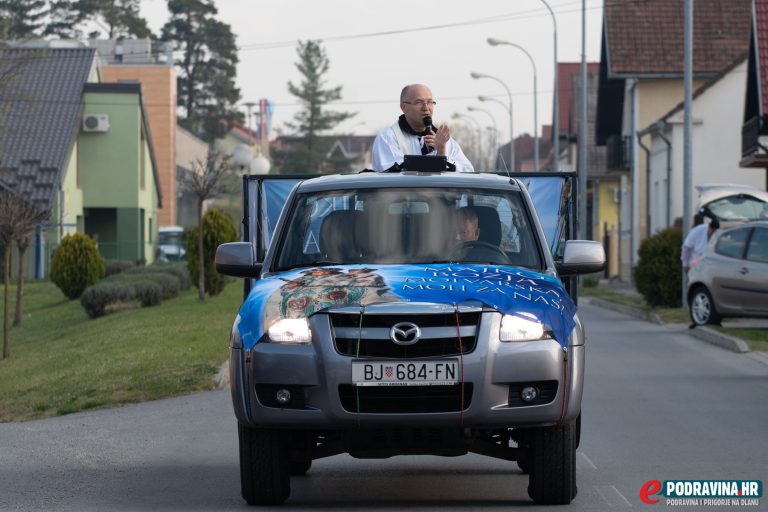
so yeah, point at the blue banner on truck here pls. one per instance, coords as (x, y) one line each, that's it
(303, 292)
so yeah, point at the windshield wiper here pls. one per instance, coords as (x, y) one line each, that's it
(319, 263)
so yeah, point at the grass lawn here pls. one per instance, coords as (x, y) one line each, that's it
(756, 338)
(62, 361)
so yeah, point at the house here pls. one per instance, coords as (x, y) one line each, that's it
(79, 149)
(127, 61)
(189, 151)
(40, 118)
(755, 122)
(718, 112)
(641, 79)
(118, 172)
(601, 221)
(342, 152)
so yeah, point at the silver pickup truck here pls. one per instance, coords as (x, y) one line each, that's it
(408, 313)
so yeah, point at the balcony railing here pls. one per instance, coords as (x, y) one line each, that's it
(750, 134)
(618, 152)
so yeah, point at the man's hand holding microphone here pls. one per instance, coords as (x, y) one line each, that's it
(436, 138)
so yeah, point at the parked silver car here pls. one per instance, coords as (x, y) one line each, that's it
(731, 279)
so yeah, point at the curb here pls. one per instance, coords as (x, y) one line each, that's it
(720, 339)
(703, 333)
(627, 310)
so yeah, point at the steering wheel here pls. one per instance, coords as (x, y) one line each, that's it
(465, 247)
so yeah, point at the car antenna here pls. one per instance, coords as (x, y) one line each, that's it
(504, 162)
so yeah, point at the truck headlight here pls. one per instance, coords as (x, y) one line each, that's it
(522, 327)
(290, 331)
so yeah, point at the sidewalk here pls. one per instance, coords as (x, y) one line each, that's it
(703, 333)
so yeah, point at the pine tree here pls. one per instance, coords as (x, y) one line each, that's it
(21, 19)
(207, 67)
(117, 18)
(313, 119)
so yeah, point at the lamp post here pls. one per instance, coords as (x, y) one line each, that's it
(492, 152)
(477, 76)
(478, 128)
(555, 114)
(497, 42)
(509, 108)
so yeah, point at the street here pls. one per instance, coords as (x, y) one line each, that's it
(658, 404)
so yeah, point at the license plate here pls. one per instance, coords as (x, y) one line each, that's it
(405, 373)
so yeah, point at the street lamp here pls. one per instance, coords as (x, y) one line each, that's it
(492, 152)
(555, 122)
(497, 42)
(509, 108)
(478, 130)
(477, 76)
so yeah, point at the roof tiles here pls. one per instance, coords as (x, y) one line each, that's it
(40, 108)
(645, 37)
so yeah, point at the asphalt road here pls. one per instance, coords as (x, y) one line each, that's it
(658, 405)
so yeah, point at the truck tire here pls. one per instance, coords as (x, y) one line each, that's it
(300, 466)
(552, 479)
(264, 465)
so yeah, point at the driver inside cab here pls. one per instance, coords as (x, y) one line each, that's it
(467, 228)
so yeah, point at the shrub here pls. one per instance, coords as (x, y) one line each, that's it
(96, 298)
(178, 270)
(217, 229)
(658, 273)
(113, 267)
(147, 292)
(76, 264)
(169, 283)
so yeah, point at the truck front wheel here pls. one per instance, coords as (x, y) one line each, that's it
(264, 466)
(552, 459)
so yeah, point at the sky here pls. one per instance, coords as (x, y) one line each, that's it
(375, 47)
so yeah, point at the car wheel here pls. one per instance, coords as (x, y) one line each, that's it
(552, 478)
(264, 466)
(702, 307)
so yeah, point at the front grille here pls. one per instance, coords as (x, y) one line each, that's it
(440, 335)
(404, 399)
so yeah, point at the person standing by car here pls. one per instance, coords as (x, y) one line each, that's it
(413, 134)
(696, 241)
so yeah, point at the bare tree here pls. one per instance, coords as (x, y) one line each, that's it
(204, 181)
(18, 219)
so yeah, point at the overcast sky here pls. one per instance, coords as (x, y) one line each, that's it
(437, 43)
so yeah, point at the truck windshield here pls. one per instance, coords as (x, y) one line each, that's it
(406, 226)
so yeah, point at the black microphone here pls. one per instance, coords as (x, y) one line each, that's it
(428, 124)
(428, 128)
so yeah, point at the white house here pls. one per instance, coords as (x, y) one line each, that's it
(718, 110)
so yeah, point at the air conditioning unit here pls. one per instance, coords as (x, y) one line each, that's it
(96, 123)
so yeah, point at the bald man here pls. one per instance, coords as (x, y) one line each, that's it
(409, 135)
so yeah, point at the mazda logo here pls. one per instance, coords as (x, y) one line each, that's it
(405, 333)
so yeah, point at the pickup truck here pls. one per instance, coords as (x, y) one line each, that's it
(369, 327)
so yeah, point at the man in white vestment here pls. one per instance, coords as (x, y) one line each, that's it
(411, 136)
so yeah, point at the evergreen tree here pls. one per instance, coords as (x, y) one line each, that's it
(117, 19)
(207, 67)
(313, 119)
(21, 19)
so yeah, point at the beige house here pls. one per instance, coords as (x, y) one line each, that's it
(641, 80)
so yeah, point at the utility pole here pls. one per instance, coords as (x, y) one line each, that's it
(582, 168)
(687, 126)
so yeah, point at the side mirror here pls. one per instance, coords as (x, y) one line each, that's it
(581, 257)
(237, 259)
